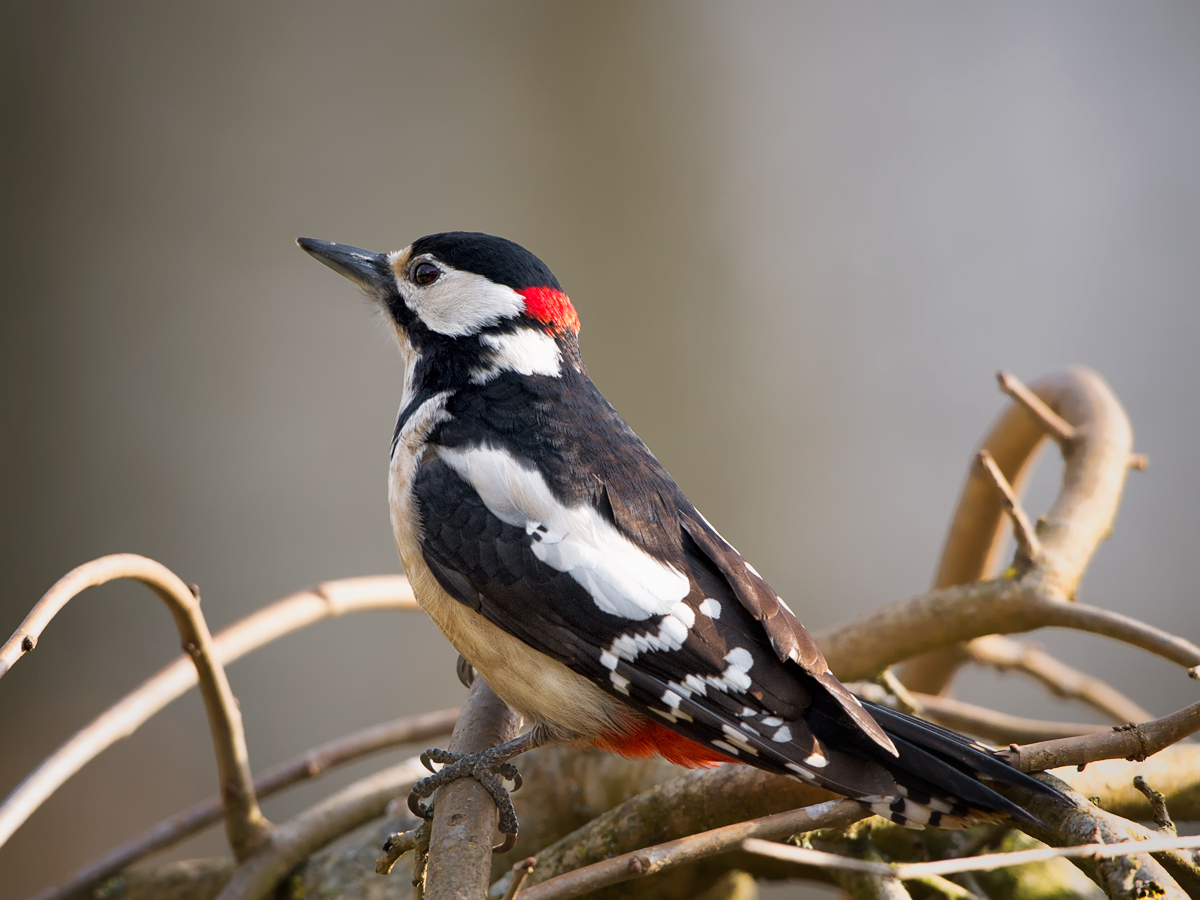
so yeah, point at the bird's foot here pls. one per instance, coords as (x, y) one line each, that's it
(487, 767)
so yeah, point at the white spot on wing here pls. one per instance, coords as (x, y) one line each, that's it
(801, 771)
(710, 608)
(621, 578)
(608, 660)
(619, 682)
(772, 721)
(672, 699)
(727, 748)
(782, 736)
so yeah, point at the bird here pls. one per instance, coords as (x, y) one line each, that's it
(566, 566)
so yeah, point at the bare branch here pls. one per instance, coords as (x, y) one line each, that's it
(1029, 549)
(984, 863)
(1096, 463)
(674, 809)
(1123, 742)
(1175, 771)
(860, 649)
(308, 765)
(647, 861)
(296, 839)
(247, 828)
(327, 600)
(1005, 654)
(465, 816)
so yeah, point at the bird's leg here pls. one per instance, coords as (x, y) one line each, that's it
(487, 767)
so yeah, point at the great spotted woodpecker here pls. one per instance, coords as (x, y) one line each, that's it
(566, 566)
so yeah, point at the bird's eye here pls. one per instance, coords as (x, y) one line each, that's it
(426, 273)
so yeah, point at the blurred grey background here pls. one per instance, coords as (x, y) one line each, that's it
(801, 238)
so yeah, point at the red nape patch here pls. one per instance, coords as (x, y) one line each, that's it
(644, 738)
(551, 307)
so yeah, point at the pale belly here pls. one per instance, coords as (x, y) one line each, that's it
(541, 689)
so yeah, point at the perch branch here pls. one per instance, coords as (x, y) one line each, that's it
(1095, 465)
(295, 840)
(647, 861)
(308, 765)
(520, 871)
(247, 828)
(1134, 742)
(1029, 549)
(465, 816)
(325, 601)
(1005, 654)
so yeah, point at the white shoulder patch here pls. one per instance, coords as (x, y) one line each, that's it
(528, 351)
(622, 579)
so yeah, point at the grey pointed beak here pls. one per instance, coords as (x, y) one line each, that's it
(370, 271)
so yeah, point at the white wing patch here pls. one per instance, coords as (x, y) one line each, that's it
(622, 579)
(527, 351)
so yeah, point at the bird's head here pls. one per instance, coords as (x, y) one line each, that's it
(471, 305)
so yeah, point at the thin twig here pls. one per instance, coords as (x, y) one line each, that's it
(1131, 741)
(327, 600)
(520, 871)
(1158, 805)
(1029, 549)
(985, 863)
(1056, 426)
(245, 825)
(904, 699)
(1081, 516)
(997, 727)
(647, 861)
(308, 765)
(298, 838)
(1004, 654)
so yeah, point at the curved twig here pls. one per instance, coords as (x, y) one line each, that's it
(245, 825)
(1004, 654)
(649, 860)
(1131, 741)
(859, 650)
(296, 839)
(325, 601)
(308, 765)
(1096, 452)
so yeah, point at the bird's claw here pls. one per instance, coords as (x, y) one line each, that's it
(485, 768)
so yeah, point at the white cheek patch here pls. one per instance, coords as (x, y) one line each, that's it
(622, 579)
(527, 351)
(461, 303)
